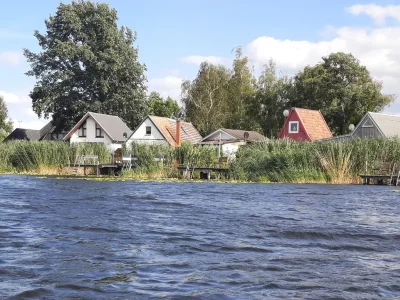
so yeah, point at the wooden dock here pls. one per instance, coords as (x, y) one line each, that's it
(379, 180)
(205, 172)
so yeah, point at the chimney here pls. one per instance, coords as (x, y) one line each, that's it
(178, 133)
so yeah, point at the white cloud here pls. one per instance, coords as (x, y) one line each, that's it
(20, 111)
(31, 124)
(167, 86)
(197, 59)
(377, 48)
(377, 12)
(11, 58)
(11, 98)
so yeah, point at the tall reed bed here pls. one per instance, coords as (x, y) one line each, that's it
(335, 162)
(24, 156)
(161, 161)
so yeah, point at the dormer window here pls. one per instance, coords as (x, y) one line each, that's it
(148, 130)
(99, 131)
(82, 130)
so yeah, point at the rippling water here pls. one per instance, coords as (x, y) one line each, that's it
(66, 239)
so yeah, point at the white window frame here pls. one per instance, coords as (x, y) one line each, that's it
(368, 126)
(290, 127)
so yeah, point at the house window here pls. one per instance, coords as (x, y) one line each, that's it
(82, 130)
(368, 123)
(99, 132)
(294, 127)
(148, 130)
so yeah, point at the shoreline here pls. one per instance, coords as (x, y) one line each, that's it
(151, 178)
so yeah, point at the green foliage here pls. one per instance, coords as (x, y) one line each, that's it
(206, 98)
(87, 64)
(240, 89)
(163, 159)
(6, 124)
(269, 100)
(26, 156)
(336, 162)
(341, 88)
(163, 108)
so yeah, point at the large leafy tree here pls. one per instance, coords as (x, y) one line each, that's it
(341, 88)
(240, 88)
(161, 107)
(205, 98)
(87, 64)
(6, 125)
(269, 100)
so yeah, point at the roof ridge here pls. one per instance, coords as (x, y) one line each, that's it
(377, 113)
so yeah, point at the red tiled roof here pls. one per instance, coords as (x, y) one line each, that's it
(314, 124)
(167, 128)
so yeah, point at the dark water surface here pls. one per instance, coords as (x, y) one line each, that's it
(76, 239)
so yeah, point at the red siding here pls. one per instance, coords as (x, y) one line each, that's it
(301, 135)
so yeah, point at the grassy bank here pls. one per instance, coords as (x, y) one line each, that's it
(270, 161)
(160, 161)
(45, 157)
(288, 161)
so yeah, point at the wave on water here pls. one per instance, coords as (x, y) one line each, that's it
(95, 229)
(33, 293)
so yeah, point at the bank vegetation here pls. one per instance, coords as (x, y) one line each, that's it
(270, 161)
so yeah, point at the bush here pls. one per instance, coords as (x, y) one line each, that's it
(290, 161)
(26, 156)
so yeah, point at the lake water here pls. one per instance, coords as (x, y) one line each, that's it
(77, 239)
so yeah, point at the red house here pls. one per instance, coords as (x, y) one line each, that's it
(305, 125)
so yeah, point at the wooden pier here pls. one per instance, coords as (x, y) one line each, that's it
(205, 172)
(91, 161)
(382, 173)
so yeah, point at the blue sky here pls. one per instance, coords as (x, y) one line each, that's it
(175, 35)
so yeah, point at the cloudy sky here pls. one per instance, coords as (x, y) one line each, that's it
(175, 36)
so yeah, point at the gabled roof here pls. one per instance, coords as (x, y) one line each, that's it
(389, 125)
(112, 125)
(314, 124)
(23, 134)
(30, 134)
(238, 135)
(167, 128)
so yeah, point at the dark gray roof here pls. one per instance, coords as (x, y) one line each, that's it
(23, 134)
(388, 124)
(239, 134)
(113, 126)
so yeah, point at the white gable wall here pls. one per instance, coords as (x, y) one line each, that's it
(91, 136)
(224, 136)
(140, 136)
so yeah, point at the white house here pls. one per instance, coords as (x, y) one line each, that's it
(160, 130)
(229, 140)
(99, 128)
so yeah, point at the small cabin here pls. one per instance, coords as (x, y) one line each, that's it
(231, 139)
(377, 124)
(305, 125)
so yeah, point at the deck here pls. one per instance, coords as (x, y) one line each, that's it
(205, 172)
(379, 179)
